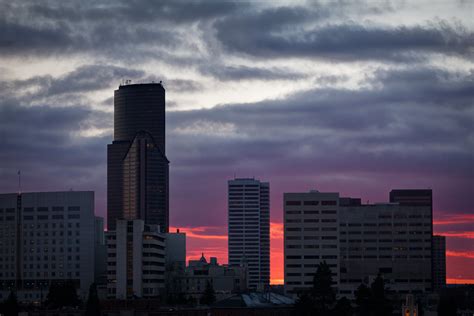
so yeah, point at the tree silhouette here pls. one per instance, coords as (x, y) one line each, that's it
(447, 306)
(343, 308)
(209, 295)
(362, 299)
(10, 306)
(380, 304)
(323, 293)
(62, 294)
(321, 297)
(373, 301)
(93, 304)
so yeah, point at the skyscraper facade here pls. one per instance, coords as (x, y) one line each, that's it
(46, 238)
(311, 234)
(249, 228)
(137, 167)
(439, 262)
(359, 241)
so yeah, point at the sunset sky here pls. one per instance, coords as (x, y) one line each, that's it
(351, 97)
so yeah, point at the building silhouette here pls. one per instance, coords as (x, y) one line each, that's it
(439, 262)
(137, 167)
(249, 229)
(359, 241)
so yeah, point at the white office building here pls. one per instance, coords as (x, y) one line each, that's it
(249, 229)
(135, 260)
(46, 237)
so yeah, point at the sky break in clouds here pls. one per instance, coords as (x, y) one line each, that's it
(354, 98)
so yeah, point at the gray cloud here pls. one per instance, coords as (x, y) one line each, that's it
(117, 29)
(227, 73)
(262, 35)
(413, 126)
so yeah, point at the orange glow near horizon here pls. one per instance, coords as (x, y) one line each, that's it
(212, 241)
(447, 219)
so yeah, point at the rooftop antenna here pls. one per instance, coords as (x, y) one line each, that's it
(19, 181)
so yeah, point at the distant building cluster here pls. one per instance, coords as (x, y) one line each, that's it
(54, 237)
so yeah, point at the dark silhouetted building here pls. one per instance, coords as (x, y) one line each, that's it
(137, 167)
(439, 262)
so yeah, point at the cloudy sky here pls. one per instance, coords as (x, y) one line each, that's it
(357, 98)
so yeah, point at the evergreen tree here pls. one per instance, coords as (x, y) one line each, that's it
(373, 301)
(343, 308)
(209, 295)
(380, 305)
(321, 297)
(62, 294)
(447, 306)
(304, 305)
(10, 306)
(93, 304)
(323, 293)
(362, 299)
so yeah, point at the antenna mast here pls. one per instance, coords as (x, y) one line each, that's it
(19, 181)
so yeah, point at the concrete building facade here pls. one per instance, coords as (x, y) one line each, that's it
(249, 229)
(135, 260)
(365, 240)
(389, 239)
(311, 236)
(46, 237)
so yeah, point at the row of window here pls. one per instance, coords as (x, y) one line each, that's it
(323, 202)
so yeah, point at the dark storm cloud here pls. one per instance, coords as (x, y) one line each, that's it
(44, 142)
(228, 73)
(412, 123)
(81, 80)
(124, 29)
(412, 129)
(262, 35)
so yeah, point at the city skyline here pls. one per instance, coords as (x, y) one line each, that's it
(340, 98)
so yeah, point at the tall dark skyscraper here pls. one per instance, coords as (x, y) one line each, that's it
(137, 167)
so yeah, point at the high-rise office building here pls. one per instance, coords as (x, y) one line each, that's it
(45, 238)
(137, 167)
(439, 262)
(358, 241)
(311, 237)
(249, 229)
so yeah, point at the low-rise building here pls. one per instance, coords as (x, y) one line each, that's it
(224, 279)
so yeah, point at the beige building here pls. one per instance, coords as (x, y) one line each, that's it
(359, 241)
(135, 260)
(311, 233)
